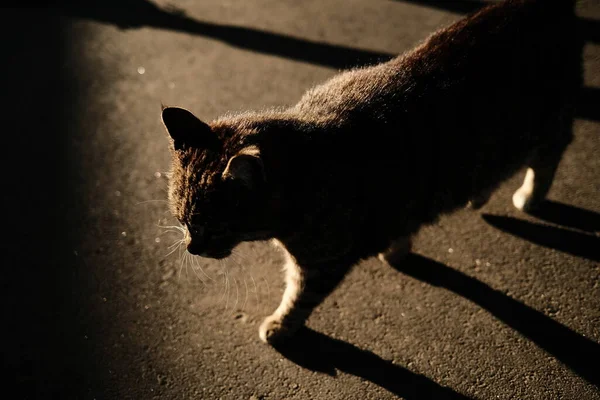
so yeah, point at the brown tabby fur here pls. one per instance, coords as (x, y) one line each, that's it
(364, 160)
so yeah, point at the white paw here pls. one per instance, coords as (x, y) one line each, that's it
(271, 329)
(521, 199)
(524, 200)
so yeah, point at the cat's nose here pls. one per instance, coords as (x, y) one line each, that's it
(196, 247)
(195, 250)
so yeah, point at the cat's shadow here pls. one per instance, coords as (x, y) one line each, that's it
(582, 240)
(575, 351)
(128, 14)
(321, 353)
(567, 215)
(318, 352)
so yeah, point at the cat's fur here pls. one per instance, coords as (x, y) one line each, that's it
(364, 160)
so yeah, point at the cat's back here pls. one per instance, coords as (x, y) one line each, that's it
(472, 101)
(515, 48)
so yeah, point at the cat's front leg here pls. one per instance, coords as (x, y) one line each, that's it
(306, 287)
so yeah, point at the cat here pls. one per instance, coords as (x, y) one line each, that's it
(361, 162)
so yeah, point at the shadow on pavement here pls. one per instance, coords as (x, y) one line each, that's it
(587, 103)
(577, 352)
(321, 353)
(566, 215)
(565, 240)
(455, 6)
(138, 13)
(42, 356)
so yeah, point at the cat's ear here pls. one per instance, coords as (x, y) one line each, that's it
(187, 130)
(246, 167)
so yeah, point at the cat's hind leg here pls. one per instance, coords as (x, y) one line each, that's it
(539, 177)
(399, 249)
(306, 287)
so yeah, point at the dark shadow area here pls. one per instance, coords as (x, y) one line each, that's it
(588, 103)
(590, 30)
(138, 13)
(569, 216)
(568, 241)
(320, 353)
(575, 351)
(42, 356)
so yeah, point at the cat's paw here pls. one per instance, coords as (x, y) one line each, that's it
(524, 200)
(529, 196)
(274, 329)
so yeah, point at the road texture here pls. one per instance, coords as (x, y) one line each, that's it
(493, 304)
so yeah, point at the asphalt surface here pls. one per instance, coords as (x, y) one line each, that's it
(493, 304)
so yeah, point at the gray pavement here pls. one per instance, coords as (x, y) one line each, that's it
(493, 304)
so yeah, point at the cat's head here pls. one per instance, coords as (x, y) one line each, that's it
(217, 185)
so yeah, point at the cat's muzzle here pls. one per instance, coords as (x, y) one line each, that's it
(208, 253)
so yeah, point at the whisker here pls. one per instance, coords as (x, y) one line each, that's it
(196, 272)
(174, 248)
(169, 231)
(255, 291)
(224, 281)
(226, 289)
(237, 295)
(180, 264)
(245, 283)
(246, 298)
(245, 270)
(179, 228)
(151, 201)
(186, 262)
(268, 288)
(176, 243)
(202, 270)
